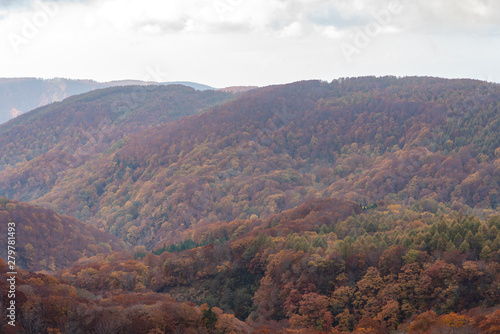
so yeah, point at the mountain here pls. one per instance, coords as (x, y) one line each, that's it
(39, 147)
(365, 205)
(19, 95)
(417, 141)
(45, 240)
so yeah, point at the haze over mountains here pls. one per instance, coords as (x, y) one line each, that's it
(18, 95)
(317, 206)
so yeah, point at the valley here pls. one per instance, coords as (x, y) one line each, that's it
(366, 204)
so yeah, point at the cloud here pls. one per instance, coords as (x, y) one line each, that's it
(280, 16)
(26, 4)
(14, 3)
(260, 41)
(444, 16)
(217, 16)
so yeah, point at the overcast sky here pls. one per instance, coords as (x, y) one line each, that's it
(248, 42)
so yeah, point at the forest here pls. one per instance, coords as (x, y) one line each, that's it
(364, 205)
(51, 241)
(373, 271)
(270, 149)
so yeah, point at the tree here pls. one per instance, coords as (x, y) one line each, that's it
(486, 253)
(365, 299)
(209, 319)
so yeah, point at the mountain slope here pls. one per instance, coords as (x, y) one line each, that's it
(46, 240)
(325, 265)
(415, 141)
(362, 205)
(38, 147)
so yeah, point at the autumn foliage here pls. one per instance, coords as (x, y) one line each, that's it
(365, 205)
(49, 241)
(134, 172)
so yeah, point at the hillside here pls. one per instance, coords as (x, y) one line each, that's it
(19, 95)
(47, 142)
(412, 141)
(237, 89)
(369, 271)
(45, 304)
(364, 205)
(46, 240)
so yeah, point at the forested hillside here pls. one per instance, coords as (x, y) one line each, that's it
(48, 241)
(39, 147)
(407, 141)
(373, 271)
(364, 205)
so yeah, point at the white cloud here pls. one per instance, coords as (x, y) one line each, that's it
(294, 29)
(225, 42)
(452, 16)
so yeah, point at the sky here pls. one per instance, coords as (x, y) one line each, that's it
(249, 42)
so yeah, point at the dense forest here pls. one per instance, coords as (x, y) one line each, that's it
(365, 205)
(38, 148)
(315, 268)
(50, 241)
(366, 140)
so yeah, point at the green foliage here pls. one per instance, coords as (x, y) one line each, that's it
(369, 207)
(186, 244)
(209, 319)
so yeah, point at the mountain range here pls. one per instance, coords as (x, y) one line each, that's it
(118, 158)
(364, 204)
(18, 95)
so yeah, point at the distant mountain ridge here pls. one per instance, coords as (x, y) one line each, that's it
(194, 85)
(19, 95)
